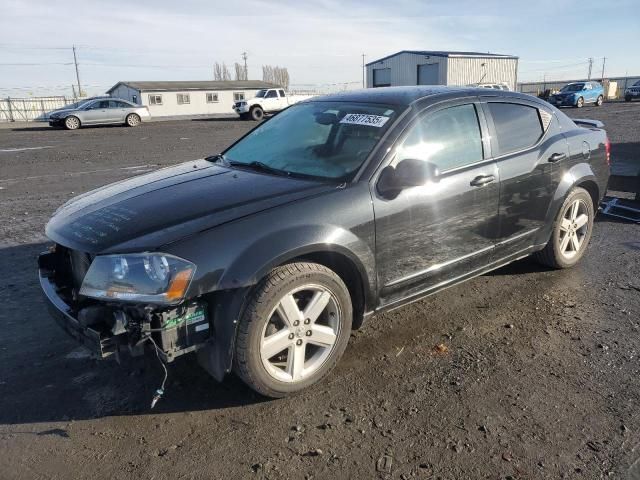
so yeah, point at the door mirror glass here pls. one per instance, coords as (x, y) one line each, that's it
(407, 173)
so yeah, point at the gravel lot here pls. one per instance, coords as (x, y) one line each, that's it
(538, 376)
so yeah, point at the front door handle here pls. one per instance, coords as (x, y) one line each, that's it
(556, 157)
(482, 180)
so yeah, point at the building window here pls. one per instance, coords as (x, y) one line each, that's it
(183, 98)
(238, 96)
(155, 99)
(212, 98)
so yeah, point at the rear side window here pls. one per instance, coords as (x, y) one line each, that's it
(517, 126)
(449, 138)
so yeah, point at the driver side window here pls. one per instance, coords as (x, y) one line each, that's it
(448, 138)
(271, 94)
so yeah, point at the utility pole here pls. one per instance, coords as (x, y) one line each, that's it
(246, 72)
(590, 67)
(75, 62)
(604, 60)
(363, 69)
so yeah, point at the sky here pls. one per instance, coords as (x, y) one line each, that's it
(321, 43)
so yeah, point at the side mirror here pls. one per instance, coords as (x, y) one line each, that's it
(407, 173)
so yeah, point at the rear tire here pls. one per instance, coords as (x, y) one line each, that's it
(599, 101)
(132, 120)
(293, 330)
(256, 113)
(580, 102)
(72, 123)
(571, 233)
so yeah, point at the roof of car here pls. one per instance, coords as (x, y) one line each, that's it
(404, 96)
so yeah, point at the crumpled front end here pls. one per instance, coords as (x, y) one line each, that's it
(111, 327)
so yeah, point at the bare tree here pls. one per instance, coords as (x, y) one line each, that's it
(241, 72)
(217, 71)
(226, 75)
(276, 75)
(221, 72)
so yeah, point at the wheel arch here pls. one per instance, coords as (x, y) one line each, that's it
(594, 191)
(230, 289)
(579, 175)
(348, 271)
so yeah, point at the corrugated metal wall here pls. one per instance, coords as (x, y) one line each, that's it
(404, 69)
(466, 71)
(452, 70)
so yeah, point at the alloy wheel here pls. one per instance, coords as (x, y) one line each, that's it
(573, 228)
(72, 123)
(133, 120)
(300, 334)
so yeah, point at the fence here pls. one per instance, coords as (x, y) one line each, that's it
(538, 88)
(30, 109)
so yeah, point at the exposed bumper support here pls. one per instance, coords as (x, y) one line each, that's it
(64, 316)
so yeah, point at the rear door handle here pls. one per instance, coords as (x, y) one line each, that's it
(482, 180)
(556, 157)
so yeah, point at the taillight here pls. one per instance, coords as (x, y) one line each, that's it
(607, 149)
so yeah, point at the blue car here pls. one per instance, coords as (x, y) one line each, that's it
(577, 94)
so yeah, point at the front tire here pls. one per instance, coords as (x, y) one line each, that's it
(599, 101)
(293, 330)
(256, 113)
(580, 102)
(571, 231)
(132, 120)
(72, 123)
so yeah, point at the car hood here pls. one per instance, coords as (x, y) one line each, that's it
(63, 111)
(146, 212)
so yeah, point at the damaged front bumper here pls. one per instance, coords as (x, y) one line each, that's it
(112, 328)
(63, 314)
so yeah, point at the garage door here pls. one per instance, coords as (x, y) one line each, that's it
(382, 77)
(428, 74)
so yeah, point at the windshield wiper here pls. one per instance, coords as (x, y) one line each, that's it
(260, 166)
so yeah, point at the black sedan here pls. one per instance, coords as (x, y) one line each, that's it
(260, 260)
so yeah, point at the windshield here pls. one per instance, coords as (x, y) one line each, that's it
(326, 140)
(637, 84)
(261, 93)
(75, 106)
(573, 87)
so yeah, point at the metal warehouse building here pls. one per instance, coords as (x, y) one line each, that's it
(411, 67)
(187, 98)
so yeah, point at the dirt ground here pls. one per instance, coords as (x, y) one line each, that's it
(538, 375)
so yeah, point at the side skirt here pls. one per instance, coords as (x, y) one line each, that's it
(454, 281)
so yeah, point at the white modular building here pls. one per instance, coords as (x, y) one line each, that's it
(174, 98)
(425, 67)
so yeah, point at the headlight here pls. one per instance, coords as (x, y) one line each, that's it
(147, 278)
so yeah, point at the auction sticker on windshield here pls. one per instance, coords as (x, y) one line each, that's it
(363, 119)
